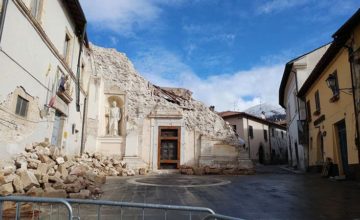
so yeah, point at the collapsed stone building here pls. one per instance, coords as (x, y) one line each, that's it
(83, 98)
(160, 127)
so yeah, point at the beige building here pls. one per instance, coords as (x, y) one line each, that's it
(331, 112)
(264, 140)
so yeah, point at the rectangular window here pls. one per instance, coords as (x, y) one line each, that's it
(317, 101)
(282, 134)
(35, 8)
(251, 132)
(308, 110)
(234, 128)
(21, 106)
(66, 52)
(273, 132)
(265, 135)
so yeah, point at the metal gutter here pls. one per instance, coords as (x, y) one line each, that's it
(78, 70)
(2, 17)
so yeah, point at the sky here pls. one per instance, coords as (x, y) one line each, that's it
(229, 53)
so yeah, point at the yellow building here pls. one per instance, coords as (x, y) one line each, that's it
(329, 96)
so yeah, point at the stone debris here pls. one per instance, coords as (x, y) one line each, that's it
(144, 97)
(42, 170)
(207, 170)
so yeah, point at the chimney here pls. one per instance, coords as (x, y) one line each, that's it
(212, 108)
(263, 115)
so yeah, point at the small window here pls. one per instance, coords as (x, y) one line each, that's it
(282, 134)
(66, 52)
(35, 8)
(308, 111)
(317, 101)
(273, 132)
(265, 135)
(21, 106)
(251, 132)
(234, 128)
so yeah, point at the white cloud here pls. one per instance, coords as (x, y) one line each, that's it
(279, 5)
(164, 68)
(124, 16)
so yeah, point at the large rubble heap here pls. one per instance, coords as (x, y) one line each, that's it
(144, 97)
(42, 170)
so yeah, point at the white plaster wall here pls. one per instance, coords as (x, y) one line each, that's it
(311, 60)
(279, 144)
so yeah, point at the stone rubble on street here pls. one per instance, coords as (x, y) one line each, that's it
(42, 170)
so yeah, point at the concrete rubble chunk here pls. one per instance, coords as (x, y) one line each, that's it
(51, 172)
(7, 179)
(63, 171)
(43, 168)
(8, 168)
(73, 187)
(78, 170)
(18, 185)
(29, 148)
(55, 193)
(35, 191)
(83, 194)
(142, 171)
(44, 158)
(98, 179)
(21, 162)
(54, 152)
(70, 179)
(6, 189)
(55, 179)
(60, 160)
(28, 179)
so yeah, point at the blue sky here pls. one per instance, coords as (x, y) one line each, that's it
(230, 53)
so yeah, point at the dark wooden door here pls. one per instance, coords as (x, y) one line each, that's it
(341, 127)
(169, 147)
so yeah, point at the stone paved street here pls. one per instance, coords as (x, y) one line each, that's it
(270, 194)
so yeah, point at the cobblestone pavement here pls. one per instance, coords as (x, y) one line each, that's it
(272, 193)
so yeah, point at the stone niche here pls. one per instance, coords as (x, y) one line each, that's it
(113, 142)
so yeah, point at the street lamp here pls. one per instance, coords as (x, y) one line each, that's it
(332, 83)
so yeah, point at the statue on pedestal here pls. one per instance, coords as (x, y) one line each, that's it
(114, 118)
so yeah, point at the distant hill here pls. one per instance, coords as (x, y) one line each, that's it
(272, 113)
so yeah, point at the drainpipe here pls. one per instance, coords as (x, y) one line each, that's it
(351, 56)
(78, 71)
(82, 146)
(298, 112)
(248, 136)
(2, 17)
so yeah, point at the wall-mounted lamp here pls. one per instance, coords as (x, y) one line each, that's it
(332, 83)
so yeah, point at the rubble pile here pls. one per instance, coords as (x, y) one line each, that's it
(144, 97)
(207, 170)
(42, 170)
